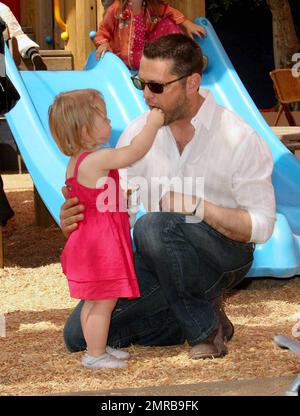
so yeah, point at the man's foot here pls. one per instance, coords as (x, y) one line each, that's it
(102, 361)
(228, 328)
(212, 347)
(37, 62)
(121, 355)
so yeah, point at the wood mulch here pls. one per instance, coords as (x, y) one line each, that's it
(35, 300)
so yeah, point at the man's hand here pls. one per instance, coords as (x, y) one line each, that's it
(70, 214)
(177, 202)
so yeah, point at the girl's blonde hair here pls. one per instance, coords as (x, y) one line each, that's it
(70, 112)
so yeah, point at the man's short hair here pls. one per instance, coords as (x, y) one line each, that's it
(185, 53)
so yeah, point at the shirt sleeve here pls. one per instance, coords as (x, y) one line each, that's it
(10, 20)
(105, 31)
(252, 186)
(174, 14)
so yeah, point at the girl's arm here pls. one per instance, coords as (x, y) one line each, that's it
(174, 14)
(106, 159)
(105, 32)
(179, 18)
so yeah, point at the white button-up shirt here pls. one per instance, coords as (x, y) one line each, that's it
(227, 153)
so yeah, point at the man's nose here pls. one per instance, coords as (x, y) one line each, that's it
(147, 93)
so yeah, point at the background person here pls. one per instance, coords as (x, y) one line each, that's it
(21, 42)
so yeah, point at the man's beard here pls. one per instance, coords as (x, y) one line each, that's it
(176, 113)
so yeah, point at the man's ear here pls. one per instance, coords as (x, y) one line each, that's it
(193, 82)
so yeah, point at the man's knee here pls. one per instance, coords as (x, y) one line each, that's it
(148, 231)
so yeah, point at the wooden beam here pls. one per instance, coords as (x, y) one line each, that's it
(100, 12)
(27, 13)
(1, 249)
(81, 19)
(43, 22)
(43, 217)
(190, 8)
(86, 18)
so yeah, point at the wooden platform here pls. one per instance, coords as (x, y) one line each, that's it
(56, 60)
(289, 135)
(1, 249)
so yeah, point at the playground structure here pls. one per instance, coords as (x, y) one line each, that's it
(65, 25)
(279, 257)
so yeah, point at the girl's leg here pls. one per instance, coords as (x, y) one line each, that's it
(87, 305)
(95, 320)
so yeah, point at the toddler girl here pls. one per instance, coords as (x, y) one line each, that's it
(97, 258)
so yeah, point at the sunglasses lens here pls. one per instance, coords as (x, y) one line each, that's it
(153, 86)
(156, 87)
(140, 85)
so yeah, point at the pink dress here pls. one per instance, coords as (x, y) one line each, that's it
(97, 258)
(138, 40)
(165, 27)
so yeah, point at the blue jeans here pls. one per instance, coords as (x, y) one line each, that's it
(180, 268)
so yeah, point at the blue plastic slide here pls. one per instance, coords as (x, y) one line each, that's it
(279, 257)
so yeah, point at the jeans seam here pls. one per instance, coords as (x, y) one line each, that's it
(169, 247)
(228, 271)
(131, 337)
(238, 244)
(205, 334)
(141, 299)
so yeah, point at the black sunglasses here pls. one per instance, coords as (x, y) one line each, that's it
(156, 87)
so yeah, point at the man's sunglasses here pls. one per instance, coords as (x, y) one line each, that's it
(156, 87)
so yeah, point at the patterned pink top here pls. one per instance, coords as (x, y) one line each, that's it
(139, 40)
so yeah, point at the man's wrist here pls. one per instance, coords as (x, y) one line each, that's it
(197, 206)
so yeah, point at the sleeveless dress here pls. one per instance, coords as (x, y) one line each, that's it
(98, 258)
(165, 27)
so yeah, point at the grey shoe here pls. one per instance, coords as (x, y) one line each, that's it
(103, 361)
(289, 343)
(121, 355)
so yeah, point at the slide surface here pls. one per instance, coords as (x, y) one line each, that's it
(279, 257)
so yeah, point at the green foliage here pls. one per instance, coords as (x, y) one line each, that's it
(218, 8)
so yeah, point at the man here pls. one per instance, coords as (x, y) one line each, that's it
(202, 244)
(22, 44)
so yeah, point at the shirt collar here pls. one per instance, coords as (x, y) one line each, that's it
(206, 112)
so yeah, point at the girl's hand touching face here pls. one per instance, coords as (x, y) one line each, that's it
(156, 118)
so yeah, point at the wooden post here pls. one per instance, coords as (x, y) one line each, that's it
(100, 11)
(1, 249)
(81, 19)
(27, 13)
(190, 8)
(38, 15)
(43, 22)
(42, 216)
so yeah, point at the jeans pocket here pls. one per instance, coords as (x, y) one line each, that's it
(228, 280)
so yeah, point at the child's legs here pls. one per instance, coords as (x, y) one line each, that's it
(95, 320)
